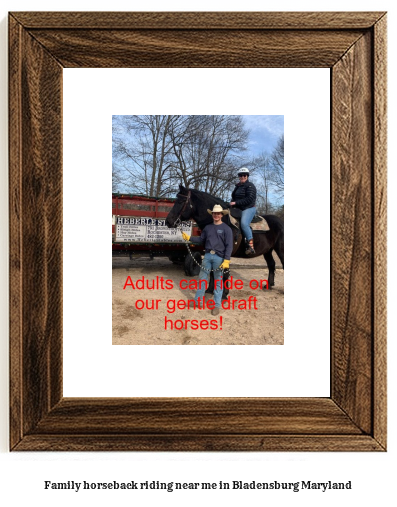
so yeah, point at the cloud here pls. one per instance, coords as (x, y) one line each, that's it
(272, 124)
(265, 131)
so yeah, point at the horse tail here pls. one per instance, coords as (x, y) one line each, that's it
(276, 225)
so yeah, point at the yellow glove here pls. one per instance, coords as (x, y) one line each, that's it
(225, 264)
(185, 236)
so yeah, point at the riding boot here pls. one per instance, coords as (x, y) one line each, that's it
(250, 247)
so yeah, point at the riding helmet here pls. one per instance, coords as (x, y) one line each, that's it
(243, 172)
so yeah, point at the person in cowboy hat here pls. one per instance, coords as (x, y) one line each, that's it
(244, 198)
(218, 241)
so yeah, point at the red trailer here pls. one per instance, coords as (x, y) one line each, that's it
(138, 228)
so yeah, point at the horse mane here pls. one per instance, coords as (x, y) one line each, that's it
(216, 200)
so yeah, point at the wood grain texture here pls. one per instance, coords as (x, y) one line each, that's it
(351, 232)
(353, 45)
(200, 20)
(380, 229)
(173, 416)
(36, 230)
(15, 226)
(41, 86)
(199, 443)
(196, 48)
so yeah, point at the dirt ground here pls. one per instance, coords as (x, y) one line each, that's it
(132, 326)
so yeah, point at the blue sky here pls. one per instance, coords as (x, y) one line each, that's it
(265, 131)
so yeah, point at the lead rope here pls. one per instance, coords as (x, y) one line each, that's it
(179, 226)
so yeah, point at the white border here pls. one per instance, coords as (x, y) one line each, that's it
(92, 366)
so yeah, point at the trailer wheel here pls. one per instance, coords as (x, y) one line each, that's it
(191, 268)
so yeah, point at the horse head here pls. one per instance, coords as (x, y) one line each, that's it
(192, 204)
(182, 209)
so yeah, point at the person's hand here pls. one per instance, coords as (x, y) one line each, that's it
(225, 264)
(232, 203)
(185, 236)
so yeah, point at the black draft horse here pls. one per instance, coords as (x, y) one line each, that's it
(193, 204)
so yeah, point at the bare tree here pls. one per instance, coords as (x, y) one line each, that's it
(116, 178)
(269, 180)
(262, 170)
(143, 147)
(207, 151)
(277, 166)
(157, 152)
(280, 211)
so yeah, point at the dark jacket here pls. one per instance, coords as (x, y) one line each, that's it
(216, 237)
(244, 195)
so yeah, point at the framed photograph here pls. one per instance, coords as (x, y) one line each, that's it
(134, 368)
(202, 153)
(353, 46)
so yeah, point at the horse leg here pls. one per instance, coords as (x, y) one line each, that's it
(210, 289)
(271, 265)
(279, 248)
(225, 292)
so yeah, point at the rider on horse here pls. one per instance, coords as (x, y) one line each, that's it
(244, 198)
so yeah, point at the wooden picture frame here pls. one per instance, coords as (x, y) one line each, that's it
(353, 46)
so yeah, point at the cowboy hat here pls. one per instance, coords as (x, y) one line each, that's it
(218, 209)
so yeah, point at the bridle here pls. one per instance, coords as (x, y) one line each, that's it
(178, 220)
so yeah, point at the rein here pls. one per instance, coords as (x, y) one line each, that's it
(178, 224)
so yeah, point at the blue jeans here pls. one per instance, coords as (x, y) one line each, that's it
(211, 261)
(246, 217)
